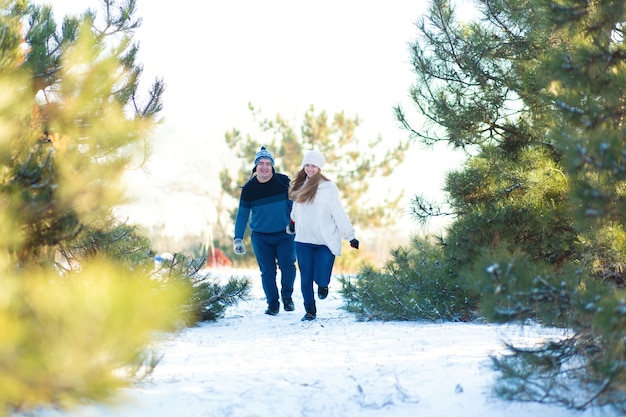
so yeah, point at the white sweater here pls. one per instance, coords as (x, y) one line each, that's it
(322, 221)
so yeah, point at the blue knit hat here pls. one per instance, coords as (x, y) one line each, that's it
(263, 153)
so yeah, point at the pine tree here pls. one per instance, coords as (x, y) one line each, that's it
(73, 313)
(533, 91)
(353, 163)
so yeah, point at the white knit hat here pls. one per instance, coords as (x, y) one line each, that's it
(314, 157)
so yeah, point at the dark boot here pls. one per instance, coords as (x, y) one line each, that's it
(322, 292)
(273, 308)
(288, 304)
(311, 312)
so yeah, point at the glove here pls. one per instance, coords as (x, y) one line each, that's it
(291, 228)
(240, 248)
(354, 243)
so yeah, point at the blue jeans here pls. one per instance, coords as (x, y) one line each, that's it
(271, 249)
(316, 266)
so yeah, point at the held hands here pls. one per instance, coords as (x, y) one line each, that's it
(291, 228)
(240, 248)
(354, 243)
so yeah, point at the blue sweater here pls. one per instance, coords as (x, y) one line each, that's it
(266, 205)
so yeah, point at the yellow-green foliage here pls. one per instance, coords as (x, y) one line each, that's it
(70, 123)
(67, 339)
(603, 248)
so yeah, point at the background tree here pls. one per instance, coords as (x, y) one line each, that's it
(353, 163)
(71, 120)
(533, 91)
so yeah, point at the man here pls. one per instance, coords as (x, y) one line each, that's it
(265, 202)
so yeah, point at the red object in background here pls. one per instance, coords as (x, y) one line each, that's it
(217, 259)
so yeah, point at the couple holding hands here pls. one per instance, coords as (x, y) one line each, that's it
(301, 218)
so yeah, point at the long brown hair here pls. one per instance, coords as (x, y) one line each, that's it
(303, 191)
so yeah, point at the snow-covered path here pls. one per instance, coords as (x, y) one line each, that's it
(249, 364)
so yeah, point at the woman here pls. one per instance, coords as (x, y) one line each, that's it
(319, 221)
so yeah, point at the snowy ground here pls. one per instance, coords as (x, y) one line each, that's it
(249, 364)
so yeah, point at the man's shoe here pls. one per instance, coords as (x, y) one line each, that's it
(272, 311)
(322, 292)
(308, 317)
(288, 304)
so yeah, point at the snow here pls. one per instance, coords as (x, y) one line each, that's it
(249, 364)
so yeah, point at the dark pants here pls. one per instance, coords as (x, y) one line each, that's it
(271, 249)
(316, 266)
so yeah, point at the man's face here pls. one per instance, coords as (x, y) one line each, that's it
(264, 170)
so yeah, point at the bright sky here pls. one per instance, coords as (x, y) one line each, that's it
(282, 56)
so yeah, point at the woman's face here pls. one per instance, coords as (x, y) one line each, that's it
(310, 170)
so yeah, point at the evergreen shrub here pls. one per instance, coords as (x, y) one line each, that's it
(414, 284)
(209, 296)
